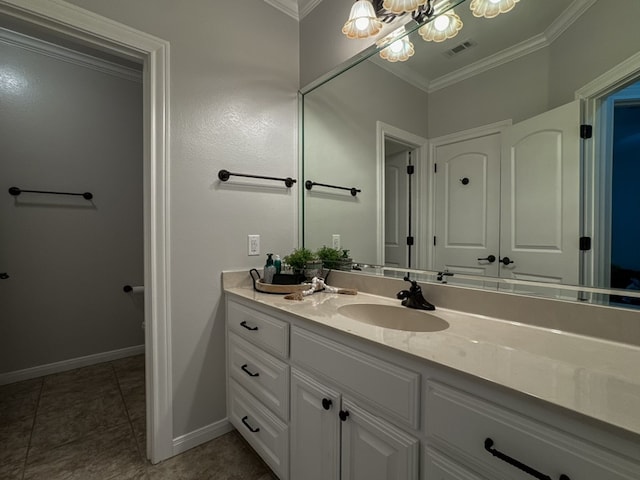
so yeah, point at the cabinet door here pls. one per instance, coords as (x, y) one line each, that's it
(373, 449)
(315, 429)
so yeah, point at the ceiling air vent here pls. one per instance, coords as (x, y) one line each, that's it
(458, 49)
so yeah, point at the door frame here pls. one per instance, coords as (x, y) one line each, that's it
(87, 28)
(596, 181)
(419, 144)
(434, 143)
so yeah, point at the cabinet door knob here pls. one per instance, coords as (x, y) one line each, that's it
(244, 324)
(326, 403)
(343, 415)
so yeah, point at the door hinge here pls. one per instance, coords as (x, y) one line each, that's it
(410, 241)
(435, 168)
(586, 131)
(434, 240)
(585, 243)
(410, 169)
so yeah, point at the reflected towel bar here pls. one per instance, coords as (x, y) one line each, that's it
(309, 185)
(15, 191)
(224, 175)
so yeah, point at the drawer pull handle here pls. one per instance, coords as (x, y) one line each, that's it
(244, 324)
(488, 446)
(249, 372)
(343, 415)
(326, 403)
(246, 424)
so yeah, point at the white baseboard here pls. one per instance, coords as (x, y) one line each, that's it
(201, 435)
(64, 365)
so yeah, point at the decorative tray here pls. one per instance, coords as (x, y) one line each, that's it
(260, 286)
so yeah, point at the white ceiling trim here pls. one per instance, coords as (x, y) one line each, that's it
(296, 9)
(560, 24)
(306, 6)
(290, 7)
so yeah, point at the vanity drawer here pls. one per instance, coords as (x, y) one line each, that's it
(259, 328)
(268, 436)
(440, 467)
(266, 377)
(394, 391)
(461, 423)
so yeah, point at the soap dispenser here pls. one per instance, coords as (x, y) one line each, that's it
(278, 264)
(269, 269)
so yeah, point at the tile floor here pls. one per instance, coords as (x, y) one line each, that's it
(89, 424)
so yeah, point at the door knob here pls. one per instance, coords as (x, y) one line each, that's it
(326, 403)
(506, 260)
(490, 258)
(4, 276)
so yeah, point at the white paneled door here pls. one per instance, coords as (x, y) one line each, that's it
(396, 210)
(540, 198)
(467, 205)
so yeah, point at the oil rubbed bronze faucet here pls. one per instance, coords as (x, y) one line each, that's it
(413, 298)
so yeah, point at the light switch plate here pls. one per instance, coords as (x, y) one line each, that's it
(335, 241)
(253, 242)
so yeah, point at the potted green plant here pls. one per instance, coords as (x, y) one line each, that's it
(330, 257)
(303, 260)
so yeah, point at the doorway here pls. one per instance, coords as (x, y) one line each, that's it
(402, 197)
(85, 28)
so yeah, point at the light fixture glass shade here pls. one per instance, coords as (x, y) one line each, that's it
(491, 8)
(399, 50)
(401, 6)
(363, 21)
(444, 26)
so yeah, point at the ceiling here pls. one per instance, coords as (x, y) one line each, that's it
(494, 41)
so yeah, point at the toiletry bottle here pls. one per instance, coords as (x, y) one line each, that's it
(278, 264)
(269, 269)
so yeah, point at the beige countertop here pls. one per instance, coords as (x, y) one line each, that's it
(597, 378)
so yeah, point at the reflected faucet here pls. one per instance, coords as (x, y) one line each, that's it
(413, 298)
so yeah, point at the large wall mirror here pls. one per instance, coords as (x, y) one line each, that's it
(469, 156)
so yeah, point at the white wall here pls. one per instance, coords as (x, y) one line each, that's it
(233, 82)
(68, 127)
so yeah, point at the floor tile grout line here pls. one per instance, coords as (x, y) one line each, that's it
(33, 427)
(126, 408)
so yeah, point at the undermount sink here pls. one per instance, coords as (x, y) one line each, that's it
(396, 318)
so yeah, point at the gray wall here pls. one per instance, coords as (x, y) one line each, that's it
(72, 128)
(340, 149)
(233, 81)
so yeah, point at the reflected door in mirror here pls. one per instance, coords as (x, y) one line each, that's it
(467, 201)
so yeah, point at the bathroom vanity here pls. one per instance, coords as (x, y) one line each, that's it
(322, 394)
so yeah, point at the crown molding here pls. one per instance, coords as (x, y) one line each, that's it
(296, 9)
(68, 55)
(290, 7)
(306, 7)
(559, 25)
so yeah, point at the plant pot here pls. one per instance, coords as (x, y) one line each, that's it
(313, 269)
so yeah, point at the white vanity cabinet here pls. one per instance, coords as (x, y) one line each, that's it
(500, 443)
(333, 438)
(258, 382)
(320, 404)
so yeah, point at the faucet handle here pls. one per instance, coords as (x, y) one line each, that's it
(402, 294)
